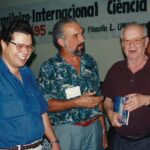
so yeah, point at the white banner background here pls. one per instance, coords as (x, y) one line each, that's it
(100, 18)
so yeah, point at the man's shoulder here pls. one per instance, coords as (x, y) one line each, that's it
(27, 71)
(89, 58)
(118, 64)
(51, 61)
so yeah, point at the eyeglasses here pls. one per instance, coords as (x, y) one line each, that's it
(20, 46)
(135, 40)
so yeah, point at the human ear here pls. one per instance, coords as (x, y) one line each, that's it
(61, 42)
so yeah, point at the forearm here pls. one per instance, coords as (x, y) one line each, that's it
(88, 100)
(55, 105)
(104, 130)
(108, 105)
(103, 124)
(49, 132)
(101, 117)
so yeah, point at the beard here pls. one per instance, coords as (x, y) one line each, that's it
(79, 51)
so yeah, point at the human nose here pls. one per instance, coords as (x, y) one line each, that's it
(25, 49)
(82, 39)
(132, 42)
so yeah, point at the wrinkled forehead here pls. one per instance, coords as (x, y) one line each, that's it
(133, 31)
(72, 28)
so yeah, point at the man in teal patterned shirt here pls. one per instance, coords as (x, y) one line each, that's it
(71, 85)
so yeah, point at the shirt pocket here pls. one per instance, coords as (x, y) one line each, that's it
(11, 105)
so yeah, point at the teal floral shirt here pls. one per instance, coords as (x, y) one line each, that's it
(56, 75)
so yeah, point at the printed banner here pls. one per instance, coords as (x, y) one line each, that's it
(100, 18)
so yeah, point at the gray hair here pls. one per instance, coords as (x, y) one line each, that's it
(142, 26)
(58, 29)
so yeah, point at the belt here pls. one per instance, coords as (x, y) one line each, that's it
(136, 138)
(24, 147)
(87, 123)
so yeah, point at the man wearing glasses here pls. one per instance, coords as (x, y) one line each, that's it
(130, 78)
(23, 109)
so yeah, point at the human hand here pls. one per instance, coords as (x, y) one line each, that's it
(136, 101)
(89, 100)
(114, 118)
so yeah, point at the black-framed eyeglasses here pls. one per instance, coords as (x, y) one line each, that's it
(20, 46)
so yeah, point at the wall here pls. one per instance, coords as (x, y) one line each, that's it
(105, 51)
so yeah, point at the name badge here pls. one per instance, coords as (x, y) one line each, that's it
(73, 92)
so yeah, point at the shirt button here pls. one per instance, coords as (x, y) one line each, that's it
(131, 80)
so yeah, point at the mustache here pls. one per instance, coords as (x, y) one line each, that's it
(81, 51)
(81, 44)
